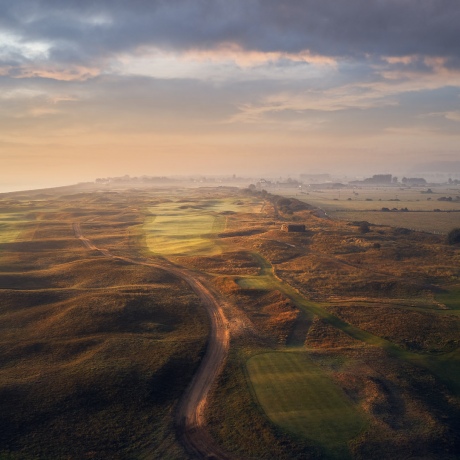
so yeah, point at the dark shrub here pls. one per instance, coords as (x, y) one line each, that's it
(453, 237)
(364, 227)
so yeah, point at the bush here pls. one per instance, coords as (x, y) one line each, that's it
(364, 227)
(453, 237)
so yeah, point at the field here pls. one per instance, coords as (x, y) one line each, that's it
(425, 211)
(343, 343)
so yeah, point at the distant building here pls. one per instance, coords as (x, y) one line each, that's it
(264, 184)
(379, 179)
(299, 228)
(291, 183)
(326, 186)
(413, 181)
(376, 179)
(315, 178)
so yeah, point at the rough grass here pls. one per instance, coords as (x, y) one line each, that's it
(96, 373)
(297, 396)
(435, 222)
(95, 353)
(229, 263)
(450, 298)
(420, 331)
(410, 413)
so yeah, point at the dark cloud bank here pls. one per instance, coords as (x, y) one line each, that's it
(79, 30)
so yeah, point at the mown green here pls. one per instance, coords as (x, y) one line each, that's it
(299, 397)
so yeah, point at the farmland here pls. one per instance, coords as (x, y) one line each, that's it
(343, 344)
(425, 211)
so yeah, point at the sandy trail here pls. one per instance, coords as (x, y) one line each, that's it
(189, 418)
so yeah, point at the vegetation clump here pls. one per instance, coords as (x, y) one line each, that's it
(453, 237)
(364, 227)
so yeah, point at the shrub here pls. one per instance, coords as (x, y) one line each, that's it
(364, 227)
(453, 237)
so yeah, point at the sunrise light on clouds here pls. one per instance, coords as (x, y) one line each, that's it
(97, 88)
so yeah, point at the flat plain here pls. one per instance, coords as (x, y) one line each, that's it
(409, 207)
(344, 344)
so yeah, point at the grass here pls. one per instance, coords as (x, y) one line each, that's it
(182, 235)
(97, 352)
(8, 233)
(451, 298)
(12, 224)
(297, 396)
(434, 222)
(189, 228)
(366, 204)
(96, 370)
(268, 281)
(256, 282)
(237, 421)
(435, 364)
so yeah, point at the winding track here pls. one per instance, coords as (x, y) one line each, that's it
(189, 417)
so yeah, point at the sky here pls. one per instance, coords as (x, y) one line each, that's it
(97, 88)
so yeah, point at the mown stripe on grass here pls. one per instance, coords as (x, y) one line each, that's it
(296, 395)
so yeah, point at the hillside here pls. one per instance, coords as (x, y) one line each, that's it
(344, 343)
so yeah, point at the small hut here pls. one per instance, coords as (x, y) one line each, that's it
(290, 228)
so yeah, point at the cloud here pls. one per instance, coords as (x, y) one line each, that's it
(452, 115)
(88, 29)
(241, 77)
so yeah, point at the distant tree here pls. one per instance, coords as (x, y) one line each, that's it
(453, 237)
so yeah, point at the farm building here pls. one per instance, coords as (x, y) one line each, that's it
(293, 228)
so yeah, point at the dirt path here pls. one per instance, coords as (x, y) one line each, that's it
(189, 418)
